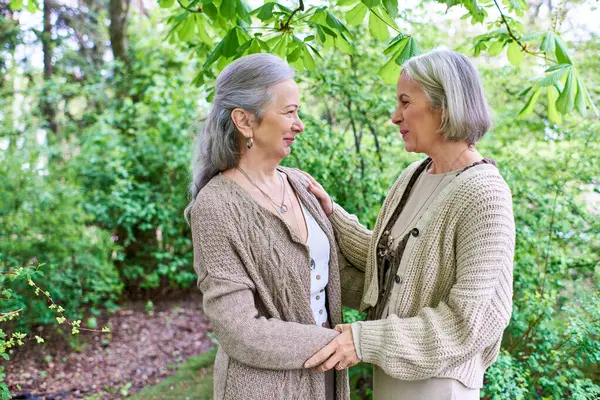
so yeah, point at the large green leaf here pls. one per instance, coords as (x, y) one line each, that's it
(356, 15)
(496, 47)
(410, 50)
(548, 44)
(580, 98)
(391, 6)
(390, 71)
(530, 105)
(227, 9)
(562, 54)
(371, 3)
(266, 11)
(566, 100)
(187, 29)
(585, 94)
(309, 61)
(377, 27)
(514, 53)
(553, 114)
(161, 3)
(553, 78)
(32, 6)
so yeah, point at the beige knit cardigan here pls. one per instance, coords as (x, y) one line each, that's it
(254, 273)
(456, 295)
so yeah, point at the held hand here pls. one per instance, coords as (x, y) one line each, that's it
(316, 189)
(339, 353)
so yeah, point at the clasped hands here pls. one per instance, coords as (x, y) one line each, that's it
(339, 353)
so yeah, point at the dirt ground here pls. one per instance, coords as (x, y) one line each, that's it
(143, 348)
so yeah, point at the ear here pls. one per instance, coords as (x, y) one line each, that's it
(242, 121)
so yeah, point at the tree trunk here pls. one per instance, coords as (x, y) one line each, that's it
(118, 27)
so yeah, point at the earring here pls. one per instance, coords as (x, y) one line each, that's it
(250, 142)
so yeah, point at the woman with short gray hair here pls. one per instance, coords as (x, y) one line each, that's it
(437, 281)
(264, 251)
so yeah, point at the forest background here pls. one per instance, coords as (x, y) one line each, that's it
(100, 101)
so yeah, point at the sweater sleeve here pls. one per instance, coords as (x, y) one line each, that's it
(229, 302)
(476, 311)
(353, 237)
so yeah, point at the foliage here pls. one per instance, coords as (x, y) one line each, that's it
(300, 35)
(134, 164)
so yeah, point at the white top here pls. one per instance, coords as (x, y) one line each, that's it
(318, 246)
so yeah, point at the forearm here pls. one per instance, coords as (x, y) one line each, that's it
(353, 238)
(254, 340)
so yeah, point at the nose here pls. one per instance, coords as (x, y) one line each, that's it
(298, 125)
(397, 116)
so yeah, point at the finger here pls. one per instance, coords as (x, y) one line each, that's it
(306, 174)
(320, 355)
(339, 328)
(339, 366)
(330, 363)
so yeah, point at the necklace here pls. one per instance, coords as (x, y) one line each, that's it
(393, 239)
(282, 207)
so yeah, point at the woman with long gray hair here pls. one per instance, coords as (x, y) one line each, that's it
(264, 251)
(438, 263)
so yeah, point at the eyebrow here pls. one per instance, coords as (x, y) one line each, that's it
(292, 105)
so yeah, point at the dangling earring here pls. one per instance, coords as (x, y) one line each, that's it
(250, 142)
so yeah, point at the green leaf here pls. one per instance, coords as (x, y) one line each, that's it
(356, 15)
(202, 24)
(383, 15)
(266, 11)
(333, 22)
(566, 100)
(410, 50)
(587, 97)
(32, 6)
(295, 55)
(378, 28)
(162, 3)
(16, 5)
(548, 44)
(395, 44)
(530, 105)
(553, 78)
(215, 54)
(514, 53)
(553, 114)
(391, 6)
(390, 71)
(210, 9)
(496, 47)
(309, 61)
(580, 97)
(371, 3)
(227, 9)
(562, 54)
(187, 30)
(557, 67)
(280, 48)
(242, 11)
(344, 46)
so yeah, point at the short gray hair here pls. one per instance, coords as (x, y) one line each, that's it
(245, 83)
(451, 82)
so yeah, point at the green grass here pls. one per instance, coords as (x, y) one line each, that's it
(192, 381)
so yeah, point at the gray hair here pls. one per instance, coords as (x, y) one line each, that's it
(451, 82)
(245, 83)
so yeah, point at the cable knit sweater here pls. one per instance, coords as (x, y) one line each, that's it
(254, 273)
(457, 287)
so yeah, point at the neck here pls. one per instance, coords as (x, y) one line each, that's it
(449, 156)
(258, 167)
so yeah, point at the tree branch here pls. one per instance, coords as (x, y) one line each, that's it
(300, 8)
(197, 11)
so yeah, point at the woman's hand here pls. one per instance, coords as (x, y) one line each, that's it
(316, 189)
(339, 353)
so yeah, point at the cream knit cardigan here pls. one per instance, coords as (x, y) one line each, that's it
(457, 287)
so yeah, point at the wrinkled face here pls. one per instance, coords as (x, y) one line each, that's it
(280, 124)
(417, 121)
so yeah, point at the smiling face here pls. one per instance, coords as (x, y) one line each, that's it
(280, 123)
(418, 122)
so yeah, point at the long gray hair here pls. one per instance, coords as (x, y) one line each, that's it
(245, 83)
